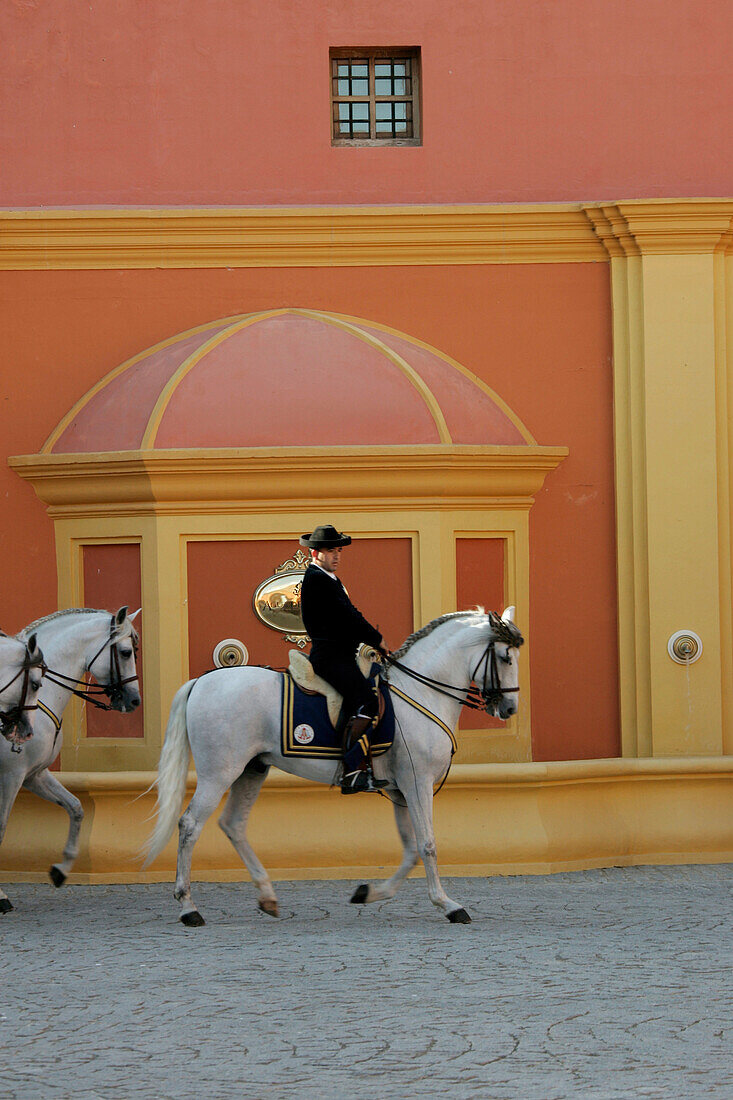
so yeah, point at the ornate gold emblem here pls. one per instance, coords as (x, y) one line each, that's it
(276, 601)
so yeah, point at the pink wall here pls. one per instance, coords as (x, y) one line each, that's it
(184, 102)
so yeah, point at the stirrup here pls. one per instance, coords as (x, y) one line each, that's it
(361, 781)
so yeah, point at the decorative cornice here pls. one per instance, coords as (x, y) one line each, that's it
(309, 236)
(250, 480)
(663, 227)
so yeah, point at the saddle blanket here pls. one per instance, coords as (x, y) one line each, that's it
(306, 729)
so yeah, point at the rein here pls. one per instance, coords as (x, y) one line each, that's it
(476, 698)
(89, 691)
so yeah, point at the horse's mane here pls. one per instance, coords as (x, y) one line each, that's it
(504, 631)
(58, 614)
(431, 626)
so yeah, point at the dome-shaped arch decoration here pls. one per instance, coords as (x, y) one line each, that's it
(255, 427)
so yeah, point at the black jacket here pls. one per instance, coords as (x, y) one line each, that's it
(329, 616)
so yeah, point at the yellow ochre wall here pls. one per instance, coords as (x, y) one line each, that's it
(671, 267)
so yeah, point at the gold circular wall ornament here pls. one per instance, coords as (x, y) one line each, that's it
(276, 601)
(685, 647)
(229, 653)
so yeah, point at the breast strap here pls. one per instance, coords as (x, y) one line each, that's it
(428, 714)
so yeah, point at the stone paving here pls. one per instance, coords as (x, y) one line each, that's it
(599, 984)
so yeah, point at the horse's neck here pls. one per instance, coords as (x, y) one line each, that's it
(444, 659)
(66, 648)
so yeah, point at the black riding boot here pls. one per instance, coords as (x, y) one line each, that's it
(358, 776)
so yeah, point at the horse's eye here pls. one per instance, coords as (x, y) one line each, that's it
(506, 659)
(125, 654)
(36, 684)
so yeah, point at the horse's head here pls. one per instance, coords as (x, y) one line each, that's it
(497, 673)
(21, 676)
(113, 663)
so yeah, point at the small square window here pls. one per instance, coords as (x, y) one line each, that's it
(375, 96)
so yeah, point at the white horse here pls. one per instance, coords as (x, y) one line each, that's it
(230, 719)
(74, 642)
(21, 673)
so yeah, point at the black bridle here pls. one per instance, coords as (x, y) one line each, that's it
(90, 692)
(487, 696)
(10, 718)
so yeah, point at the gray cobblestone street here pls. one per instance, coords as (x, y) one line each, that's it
(598, 984)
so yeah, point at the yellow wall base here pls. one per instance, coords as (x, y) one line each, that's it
(490, 819)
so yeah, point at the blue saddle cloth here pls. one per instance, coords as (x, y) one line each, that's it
(306, 729)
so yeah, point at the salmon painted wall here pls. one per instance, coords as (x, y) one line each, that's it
(539, 334)
(223, 574)
(183, 102)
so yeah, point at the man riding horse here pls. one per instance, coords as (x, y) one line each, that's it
(336, 628)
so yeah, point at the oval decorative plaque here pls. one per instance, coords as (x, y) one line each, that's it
(276, 601)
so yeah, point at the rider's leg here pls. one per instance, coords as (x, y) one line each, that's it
(361, 702)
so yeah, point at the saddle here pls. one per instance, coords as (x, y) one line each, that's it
(305, 676)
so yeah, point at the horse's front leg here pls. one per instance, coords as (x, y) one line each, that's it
(233, 822)
(10, 784)
(383, 891)
(420, 805)
(46, 786)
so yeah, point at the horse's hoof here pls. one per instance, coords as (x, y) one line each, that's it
(6, 905)
(192, 920)
(360, 894)
(459, 916)
(58, 878)
(269, 907)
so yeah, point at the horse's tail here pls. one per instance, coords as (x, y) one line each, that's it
(172, 772)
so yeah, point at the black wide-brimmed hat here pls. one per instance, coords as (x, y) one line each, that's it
(325, 538)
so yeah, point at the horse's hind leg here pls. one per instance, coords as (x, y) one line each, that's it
(46, 786)
(421, 811)
(233, 821)
(10, 784)
(200, 808)
(383, 891)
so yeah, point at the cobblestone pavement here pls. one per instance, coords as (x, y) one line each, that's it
(598, 984)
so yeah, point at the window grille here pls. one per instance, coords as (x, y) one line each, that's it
(375, 97)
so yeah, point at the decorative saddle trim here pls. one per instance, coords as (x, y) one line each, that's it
(427, 713)
(307, 732)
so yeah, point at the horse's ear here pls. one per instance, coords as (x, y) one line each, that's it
(508, 613)
(134, 614)
(31, 644)
(121, 615)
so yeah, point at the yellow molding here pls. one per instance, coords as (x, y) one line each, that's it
(663, 226)
(306, 236)
(490, 819)
(356, 236)
(247, 479)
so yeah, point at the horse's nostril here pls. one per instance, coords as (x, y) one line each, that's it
(135, 702)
